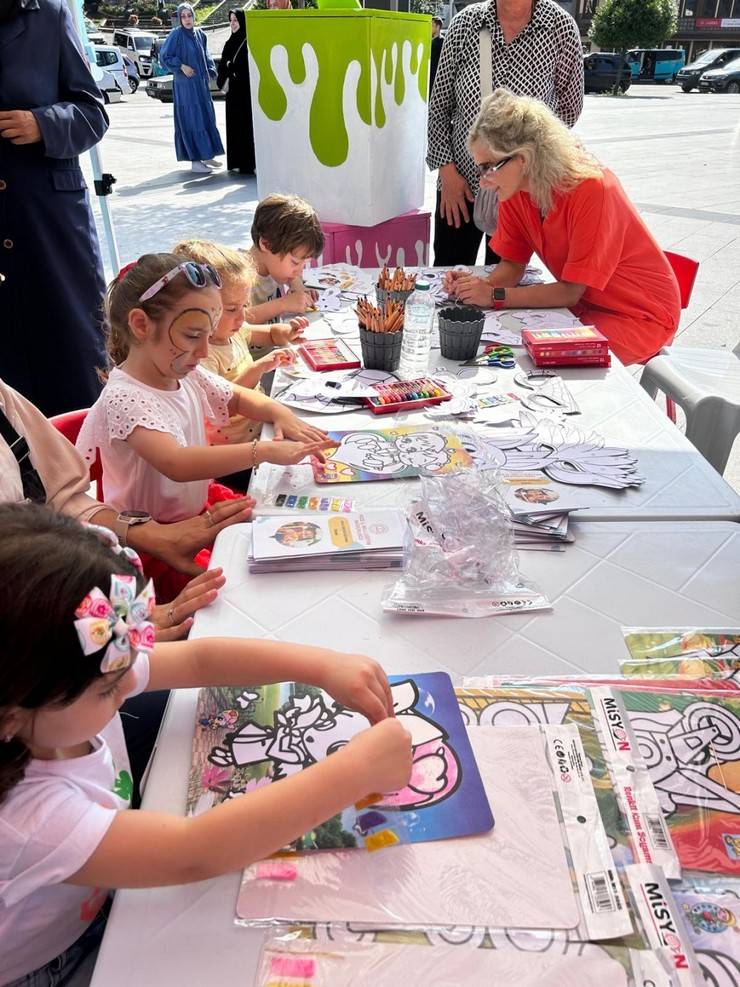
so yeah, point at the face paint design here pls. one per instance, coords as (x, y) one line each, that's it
(188, 334)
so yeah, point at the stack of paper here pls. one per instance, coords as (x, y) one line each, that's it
(540, 510)
(371, 539)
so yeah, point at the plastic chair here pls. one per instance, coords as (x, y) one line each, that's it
(69, 424)
(706, 383)
(685, 270)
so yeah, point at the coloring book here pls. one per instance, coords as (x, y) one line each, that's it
(245, 738)
(390, 454)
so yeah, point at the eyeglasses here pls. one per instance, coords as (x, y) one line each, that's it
(197, 274)
(489, 168)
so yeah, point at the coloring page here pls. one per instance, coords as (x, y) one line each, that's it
(385, 454)
(713, 922)
(248, 738)
(506, 327)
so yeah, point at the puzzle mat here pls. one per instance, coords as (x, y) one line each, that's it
(495, 879)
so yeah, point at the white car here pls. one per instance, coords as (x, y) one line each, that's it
(106, 84)
(94, 35)
(111, 60)
(137, 45)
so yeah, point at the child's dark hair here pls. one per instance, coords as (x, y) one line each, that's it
(287, 223)
(49, 564)
(124, 293)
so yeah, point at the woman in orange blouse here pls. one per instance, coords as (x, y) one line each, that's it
(557, 201)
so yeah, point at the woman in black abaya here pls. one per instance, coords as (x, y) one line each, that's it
(234, 68)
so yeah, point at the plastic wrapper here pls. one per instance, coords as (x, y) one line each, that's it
(527, 960)
(712, 917)
(683, 652)
(495, 879)
(461, 560)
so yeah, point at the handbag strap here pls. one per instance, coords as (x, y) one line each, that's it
(33, 487)
(486, 63)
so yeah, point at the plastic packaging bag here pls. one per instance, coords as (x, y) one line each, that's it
(460, 558)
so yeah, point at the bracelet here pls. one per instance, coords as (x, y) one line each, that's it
(254, 454)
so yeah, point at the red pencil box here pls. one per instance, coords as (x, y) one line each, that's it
(576, 337)
(328, 354)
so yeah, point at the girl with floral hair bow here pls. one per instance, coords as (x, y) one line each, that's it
(76, 640)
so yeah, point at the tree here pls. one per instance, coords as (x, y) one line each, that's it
(622, 24)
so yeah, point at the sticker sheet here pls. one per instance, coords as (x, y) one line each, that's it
(524, 962)
(248, 738)
(494, 879)
(390, 454)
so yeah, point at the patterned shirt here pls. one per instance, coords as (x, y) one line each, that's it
(544, 61)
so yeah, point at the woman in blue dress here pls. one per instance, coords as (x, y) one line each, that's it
(185, 54)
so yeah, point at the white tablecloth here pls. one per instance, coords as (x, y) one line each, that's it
(655, 573)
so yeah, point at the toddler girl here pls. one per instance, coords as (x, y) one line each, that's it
(75, 641)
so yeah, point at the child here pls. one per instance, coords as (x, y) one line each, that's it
(149, 421)
(285, 234)
(75, 641)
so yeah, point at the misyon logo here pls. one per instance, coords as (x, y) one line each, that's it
(561, 761)
(664, 924)
(616, 723)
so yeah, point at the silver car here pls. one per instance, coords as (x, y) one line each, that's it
(111, 60)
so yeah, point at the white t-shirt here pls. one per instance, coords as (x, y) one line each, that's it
(50, 825)
(129, 482)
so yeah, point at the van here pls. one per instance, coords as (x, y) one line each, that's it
(111, 60)
(713, 58)
(138, 46)
(602, 69)
(656, 64)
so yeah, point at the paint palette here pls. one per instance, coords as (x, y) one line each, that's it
(328, 354)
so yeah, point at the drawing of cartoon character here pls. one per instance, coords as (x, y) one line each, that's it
(536, 495)
(377, 453)
(314, 727)
(298, 534)
(693, 756)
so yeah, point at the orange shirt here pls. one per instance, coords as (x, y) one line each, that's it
(593, 235)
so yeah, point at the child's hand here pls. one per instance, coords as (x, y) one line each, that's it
(451, 277)
(289, 332)
(174, 620)
(297, 301)
(359, 683)
(289, 426)
(290, 453)
(278, 358)
(383, 755)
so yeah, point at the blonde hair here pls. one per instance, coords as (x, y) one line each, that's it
(554, 158)
(235, 267)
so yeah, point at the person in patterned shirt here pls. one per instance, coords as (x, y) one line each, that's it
(535, 51)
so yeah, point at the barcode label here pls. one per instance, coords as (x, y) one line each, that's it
(658, 835)
(599, 892)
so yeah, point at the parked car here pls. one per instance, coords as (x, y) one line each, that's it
(138, 46)
(94, 35)
(724, 80)
(133, 75)
(161, 87)
(601, 70)
(110, 59)
(656, 64)
(712, 58)
(106, 84)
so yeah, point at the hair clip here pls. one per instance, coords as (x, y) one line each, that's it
(111, 540)
(125, 269)
(122, 621)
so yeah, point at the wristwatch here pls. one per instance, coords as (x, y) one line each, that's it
(126, 520)
(498, 296)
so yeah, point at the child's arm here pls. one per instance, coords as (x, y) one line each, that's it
(153, 849)
(279, 333)
(296, 300)
(252, 404)
(185, 463)
(353, 680)
(250, 377)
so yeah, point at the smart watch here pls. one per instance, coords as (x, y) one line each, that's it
(498, 296)
(126, 520)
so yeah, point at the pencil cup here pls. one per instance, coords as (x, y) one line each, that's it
(380, 350)
(460, 330)
(384, 296)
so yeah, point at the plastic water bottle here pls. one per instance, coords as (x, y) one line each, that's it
(417, 333)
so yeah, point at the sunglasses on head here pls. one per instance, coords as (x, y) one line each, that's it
(199, 275)
(489, 168)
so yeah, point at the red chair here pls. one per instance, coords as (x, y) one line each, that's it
(685, 270)
(69, 424)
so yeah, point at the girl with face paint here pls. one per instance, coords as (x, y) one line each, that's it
(148, 426)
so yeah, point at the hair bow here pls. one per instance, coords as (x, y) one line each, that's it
(121, 621)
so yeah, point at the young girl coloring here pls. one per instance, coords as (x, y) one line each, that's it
(149, 422)
(75, 641)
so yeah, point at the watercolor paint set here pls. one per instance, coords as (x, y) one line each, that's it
(401, 395)
(328, 354)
